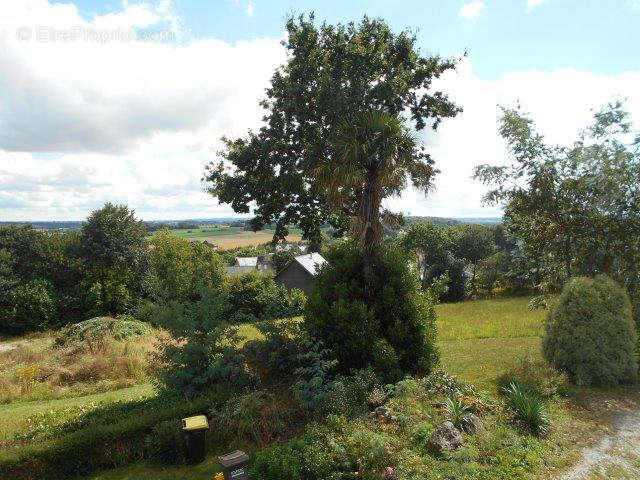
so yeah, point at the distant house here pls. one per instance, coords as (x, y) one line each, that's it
(300, 272)
(235, 270)
(242, 265)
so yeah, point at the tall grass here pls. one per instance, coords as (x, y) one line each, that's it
(39, 370)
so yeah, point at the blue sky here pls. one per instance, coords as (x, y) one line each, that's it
(132, 120)
(594, 35)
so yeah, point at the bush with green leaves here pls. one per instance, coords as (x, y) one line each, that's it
(165, 444)
(112, 435)
(206, 352)
(31, 308)
(590, 333)
(391, 327)
(255, 296)
(120, 328)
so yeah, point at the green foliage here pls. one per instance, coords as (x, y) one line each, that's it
(332, 73)
(590, 333)
(575, 208)
(528, 407)
(116, 258)
(456, 409)
(165, 445)
(32, 308)
(393, 329)
(183, 268)
(39, 274)
(536, 376)
(106, 437)
(255, 296)
(471, 242)
(120, 328)
(206, 353)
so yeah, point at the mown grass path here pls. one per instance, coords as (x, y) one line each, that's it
(14, 416)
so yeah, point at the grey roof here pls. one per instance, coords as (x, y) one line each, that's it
(246, 262)
(235, 270)
(311, 262)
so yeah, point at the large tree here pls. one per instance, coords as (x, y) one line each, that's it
(577, 208)
(116, 258)
(332, 74)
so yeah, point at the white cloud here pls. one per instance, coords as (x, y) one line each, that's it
(560, 101)
(472, 9)
(84, 122)
(249, 10)
(531, 4)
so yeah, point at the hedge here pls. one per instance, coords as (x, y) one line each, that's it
(94, 447)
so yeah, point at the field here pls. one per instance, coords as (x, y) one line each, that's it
(230, 237)
(479, 341)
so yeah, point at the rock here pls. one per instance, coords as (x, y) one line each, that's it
(444, 439)
(382, 412)
(471, 423)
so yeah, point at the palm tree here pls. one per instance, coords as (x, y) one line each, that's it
(373, 157)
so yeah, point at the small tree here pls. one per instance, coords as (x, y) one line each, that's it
(472, 242)
(431, 246)
(590, 333)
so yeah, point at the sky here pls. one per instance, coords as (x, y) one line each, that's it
(126, 101)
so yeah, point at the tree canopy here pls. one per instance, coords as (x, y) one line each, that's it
(332, 74)
(577, 208)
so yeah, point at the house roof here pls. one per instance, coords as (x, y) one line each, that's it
(235, 270)
(246, 262)
(311, 262)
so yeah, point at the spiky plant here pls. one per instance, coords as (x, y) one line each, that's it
(456, 410)
(373, 157)
(528, 407)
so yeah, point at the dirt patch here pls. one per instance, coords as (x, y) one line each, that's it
(616, 454)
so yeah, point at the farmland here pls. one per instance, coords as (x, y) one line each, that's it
(227, 237)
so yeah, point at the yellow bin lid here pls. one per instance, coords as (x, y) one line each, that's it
(199, 422)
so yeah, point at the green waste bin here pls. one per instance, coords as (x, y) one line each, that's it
(195, 429)
(234, 465)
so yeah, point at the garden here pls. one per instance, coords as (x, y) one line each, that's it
(423, 350)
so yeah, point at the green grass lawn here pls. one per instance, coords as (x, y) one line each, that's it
(13, 416)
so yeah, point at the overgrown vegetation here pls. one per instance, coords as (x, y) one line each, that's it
(390, 327)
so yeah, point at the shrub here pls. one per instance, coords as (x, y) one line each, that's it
(106, 437)
(528, 407)
(255, 296)
(120, 328)
(392, 328)
(32, 308)
(206, 354)
(165, 444)
(590, 333)
(456, 409)
(536, 376)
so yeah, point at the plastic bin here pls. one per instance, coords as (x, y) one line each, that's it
(195, 430)
(234, 465)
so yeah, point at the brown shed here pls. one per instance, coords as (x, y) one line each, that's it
(300, 272)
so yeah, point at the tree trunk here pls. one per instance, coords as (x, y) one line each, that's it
(370, 229)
